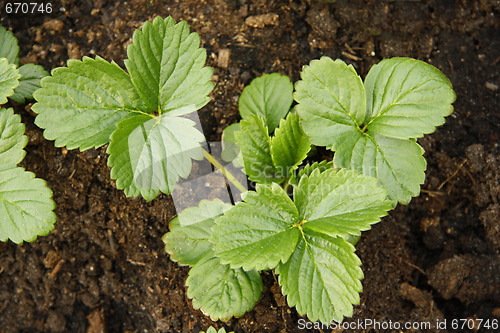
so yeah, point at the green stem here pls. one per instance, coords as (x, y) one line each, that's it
(224, 171)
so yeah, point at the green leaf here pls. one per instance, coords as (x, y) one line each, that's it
(166, 65)
(187, 241)
(230, 150)
(29, 82)
(309, 168)
(12, 139)
(211, 329)
(407, 98)
(398, 164)
(79, 106)
(322, 278)
(289, 146)
(221, 292)
(255, 145)
(151, 153)
(331, 99)
(9, 80)
(269, 96)
(257, 233)
(339, 202)
(26, 207)
(8, 46)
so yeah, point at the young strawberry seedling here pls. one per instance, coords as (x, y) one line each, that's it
(26, 206)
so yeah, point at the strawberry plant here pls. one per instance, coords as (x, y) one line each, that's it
(26, 206)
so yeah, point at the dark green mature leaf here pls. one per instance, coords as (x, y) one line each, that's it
(257, 233)
(187, 241)
(80, 105)
(221, 292)
(322, 278)
(269, 97)
(26, 207)
(405, 99)
(9, 80)
(29, 82)
(289, 146)
(166, 64)
(8, 46)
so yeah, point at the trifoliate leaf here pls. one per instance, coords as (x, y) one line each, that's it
(331, 100)
(29, 82)
(26, 207)
(79, 106)
(187, 241)
(255, 145)
(405, 99)
(9, 80)
(8, 46)
(322, 277)
(12, 139)
(289, 146)
(230, 150)
(339, 202)
(166, 66)
(221, 292)
(270, 97)
(151, 153)
(258, 233)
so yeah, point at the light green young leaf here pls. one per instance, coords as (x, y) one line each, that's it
(151, 153)
(221, 292)
(406, 98)
(322, 278)
(331, 99)
(12, 139)
(289, 146)
(255, 145)
(29, 82)
(26, 207)
(230, 150)
(9, 80)
(166, 65)
(339, 202)
(79, 106)
(211, 329)
(8, 46)
(187, 241)
(258, 233)
(309, 168)
(270, 97)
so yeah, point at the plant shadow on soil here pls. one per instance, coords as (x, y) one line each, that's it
(104, 268)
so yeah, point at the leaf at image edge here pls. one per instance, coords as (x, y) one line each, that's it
(9, 80)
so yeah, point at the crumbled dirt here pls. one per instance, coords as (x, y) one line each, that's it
(103, 269)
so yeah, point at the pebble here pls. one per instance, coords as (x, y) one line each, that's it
(260, 21)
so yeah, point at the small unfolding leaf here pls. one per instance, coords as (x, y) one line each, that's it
(289, 146)
(26, 206)
(9, 80)
(374, 132)
(187, 241)
(220, 291)
(269, 97)
(211, 329)
(322, 278)
(29, 82)
(258, 233)
(309, 168)
(8, 46)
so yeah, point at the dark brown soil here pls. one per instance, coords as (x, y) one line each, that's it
(104, 268)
